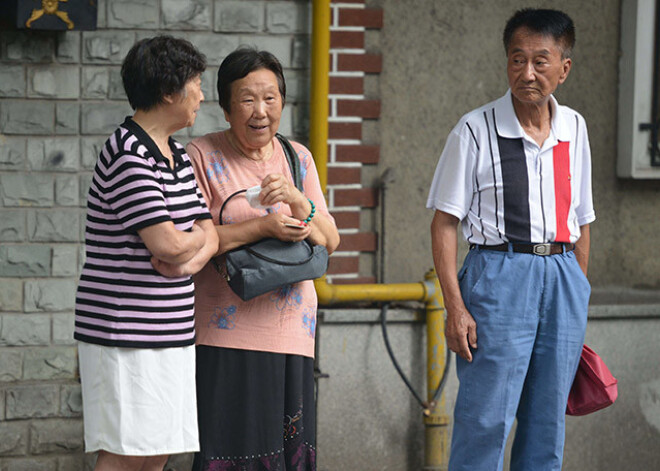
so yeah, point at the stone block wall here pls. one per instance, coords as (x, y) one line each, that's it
(60, 97)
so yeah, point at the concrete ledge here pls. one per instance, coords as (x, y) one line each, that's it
(614, 302)
(371, 316)
(624, 311)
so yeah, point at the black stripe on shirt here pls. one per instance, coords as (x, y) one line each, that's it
(474, 138)
(115, 330)
(142, 284)
(515, 185)
(83, 314)
(541, 198)
(132, 343)
(83, 302)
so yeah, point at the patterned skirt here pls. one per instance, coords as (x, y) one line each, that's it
(256, 411)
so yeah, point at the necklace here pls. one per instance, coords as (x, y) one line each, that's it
(232, 143)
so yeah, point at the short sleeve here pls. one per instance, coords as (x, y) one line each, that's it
(584, 210)
(132, 190)
(451, 189)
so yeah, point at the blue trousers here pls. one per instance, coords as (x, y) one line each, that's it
(531, 315)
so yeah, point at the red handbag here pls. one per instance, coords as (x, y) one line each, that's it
(594, 387)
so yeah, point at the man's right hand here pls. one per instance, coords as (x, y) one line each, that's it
(461, 332)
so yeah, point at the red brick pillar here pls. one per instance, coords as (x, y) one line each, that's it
(347, 153)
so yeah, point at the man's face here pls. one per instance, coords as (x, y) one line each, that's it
(535, 66)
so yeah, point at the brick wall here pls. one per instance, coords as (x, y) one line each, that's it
(60, 97)
(348, 150)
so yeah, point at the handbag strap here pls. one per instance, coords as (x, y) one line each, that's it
(222, 208)
(294, 166)
(283, 262)
(292, 158)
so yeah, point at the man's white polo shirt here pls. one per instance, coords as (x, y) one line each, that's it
(505, 188)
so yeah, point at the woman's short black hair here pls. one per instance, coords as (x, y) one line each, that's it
(157, 67)
(546, 22)
(240, 63)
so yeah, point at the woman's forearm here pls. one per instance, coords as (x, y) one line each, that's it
(171, 245)
(324, 233)
(208, 251)
(231, 236)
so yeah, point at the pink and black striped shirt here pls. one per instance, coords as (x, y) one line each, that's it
(121, 300)
(504, 188)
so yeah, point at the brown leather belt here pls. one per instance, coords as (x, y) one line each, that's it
(536, 249)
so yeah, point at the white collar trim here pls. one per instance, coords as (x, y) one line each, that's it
(508, 125)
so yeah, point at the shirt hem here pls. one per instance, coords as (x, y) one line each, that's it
(286, 351)
(132, 344)
(135, 452)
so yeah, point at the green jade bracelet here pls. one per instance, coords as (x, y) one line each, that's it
(311, 214)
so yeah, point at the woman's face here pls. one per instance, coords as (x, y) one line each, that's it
(256, 108)
(189, 101)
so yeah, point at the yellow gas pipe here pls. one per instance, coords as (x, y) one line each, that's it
(436, 434)
(320, 88)
(427, 291)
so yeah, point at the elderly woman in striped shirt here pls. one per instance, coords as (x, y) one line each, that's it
(146, 218)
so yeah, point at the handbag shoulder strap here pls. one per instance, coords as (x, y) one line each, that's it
(222, 208)
(292, 157)
(294, 165)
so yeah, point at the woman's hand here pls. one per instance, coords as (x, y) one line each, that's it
(170, 270)
(276, 188)
(171, 245)
(197, 262)
(285, 228)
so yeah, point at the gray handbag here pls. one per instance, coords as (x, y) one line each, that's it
(268, 264)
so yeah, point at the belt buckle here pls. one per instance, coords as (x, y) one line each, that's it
(541, 249)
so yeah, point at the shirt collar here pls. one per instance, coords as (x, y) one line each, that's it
(508, 125)
(149, 143)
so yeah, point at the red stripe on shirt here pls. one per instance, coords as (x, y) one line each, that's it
(562, 168)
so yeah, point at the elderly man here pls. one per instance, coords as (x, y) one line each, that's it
(516, 173)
